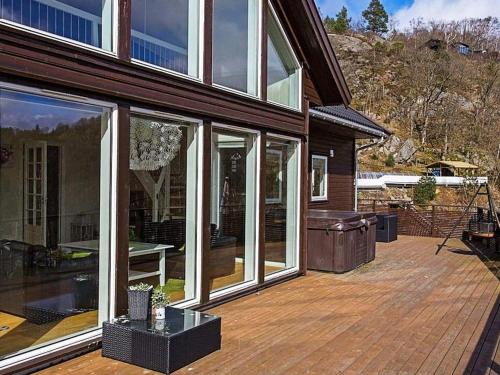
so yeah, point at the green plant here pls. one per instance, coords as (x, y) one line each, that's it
(142, 287)
(340, 24)
(379, 47)
(159, 298)
(376, 17)
(425, 190)
(374, 156)
(390, 161)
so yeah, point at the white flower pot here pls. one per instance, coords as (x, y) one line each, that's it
(160, 313)
(159, 325)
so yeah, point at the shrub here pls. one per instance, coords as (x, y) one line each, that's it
(390, 161)
(425, 191)
(374, 156)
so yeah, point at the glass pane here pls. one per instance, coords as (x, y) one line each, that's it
(165, 33)
(282, 68)
(235, 44)
(88, 22)
(233, 197)
(319, 177)
(274, 175)
(282, 202)
(59, 291)
(163, 154)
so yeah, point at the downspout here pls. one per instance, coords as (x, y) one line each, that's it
(357, 150)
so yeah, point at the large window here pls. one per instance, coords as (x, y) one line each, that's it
(283, 70)
(55, 168)
(319, 180)
(234, 208)
(163, 204)
(235, 45)
(166, 34)
(89, 22)
(282, 204)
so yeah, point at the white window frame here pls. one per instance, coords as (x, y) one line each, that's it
(71, 42)
(91, 334)
(198, 136)
(295, 269)
(258, 61)
(280, 177)
(299, 70)
(325, 182)
(246, 284)
(201, 43)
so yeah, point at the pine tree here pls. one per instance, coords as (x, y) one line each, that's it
(376, 17)
(340, 24)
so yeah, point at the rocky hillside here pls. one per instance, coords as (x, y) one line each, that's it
(439, 103)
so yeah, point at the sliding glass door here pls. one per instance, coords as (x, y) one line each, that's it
(233, 208)
(163, 203)
(55, 203)
(282, 204)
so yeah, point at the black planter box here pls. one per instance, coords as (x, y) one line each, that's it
(187, 336)
(387, 228)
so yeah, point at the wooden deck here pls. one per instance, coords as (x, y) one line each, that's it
(408, 312)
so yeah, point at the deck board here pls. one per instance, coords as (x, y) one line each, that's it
(408, 312)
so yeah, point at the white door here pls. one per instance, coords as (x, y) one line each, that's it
(35, 192)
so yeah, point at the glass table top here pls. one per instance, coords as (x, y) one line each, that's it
(176, 321)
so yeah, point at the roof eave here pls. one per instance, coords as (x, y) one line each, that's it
(373, 133)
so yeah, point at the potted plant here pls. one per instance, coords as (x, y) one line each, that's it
(139, 296)
(159, 300)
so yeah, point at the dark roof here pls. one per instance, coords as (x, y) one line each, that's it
(348, 116)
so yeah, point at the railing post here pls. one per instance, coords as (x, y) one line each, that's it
(433, 220)
(374, 205)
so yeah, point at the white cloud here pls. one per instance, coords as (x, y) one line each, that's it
(446, 10)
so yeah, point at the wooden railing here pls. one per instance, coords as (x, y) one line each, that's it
(424, 220)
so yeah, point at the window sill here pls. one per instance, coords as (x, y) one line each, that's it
(318, 200)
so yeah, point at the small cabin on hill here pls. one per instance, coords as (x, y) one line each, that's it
(445, 168)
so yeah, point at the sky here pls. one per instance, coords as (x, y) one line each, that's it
(404, 11)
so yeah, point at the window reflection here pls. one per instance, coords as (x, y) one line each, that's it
(235, 44)
(85, 21)
(54, 232)
(233, 214)
(283, 69)
(281, 205)
(319, 177)
(162, 233)
(165, 33)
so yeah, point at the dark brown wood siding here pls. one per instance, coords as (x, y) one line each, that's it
(323, 138)
(310, 91)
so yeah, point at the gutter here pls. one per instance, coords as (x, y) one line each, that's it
(357, 150)
(350, 124)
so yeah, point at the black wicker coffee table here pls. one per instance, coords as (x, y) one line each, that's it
(164, 346)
